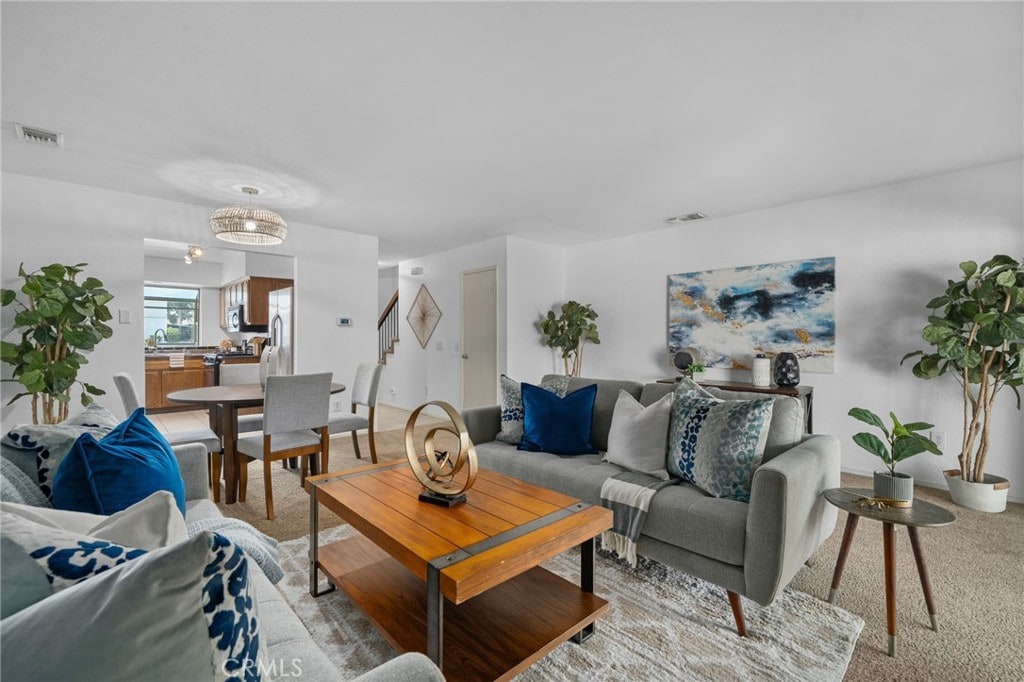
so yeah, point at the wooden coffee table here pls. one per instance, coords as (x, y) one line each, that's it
(463, 585)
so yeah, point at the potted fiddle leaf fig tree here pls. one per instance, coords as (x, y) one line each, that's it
(569, 332)
(59, 319)
(902, 442)
(976, 330)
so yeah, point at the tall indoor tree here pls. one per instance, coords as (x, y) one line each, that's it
(569, 332)
(58, 319)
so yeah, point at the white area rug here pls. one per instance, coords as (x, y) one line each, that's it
(663, 624)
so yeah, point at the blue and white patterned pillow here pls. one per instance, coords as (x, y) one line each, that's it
(512, 405)
(183, 612)
(50, 442)
(59, 559)
(717, 445)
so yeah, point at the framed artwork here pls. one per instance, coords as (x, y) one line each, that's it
(423, 315)
(732, 314)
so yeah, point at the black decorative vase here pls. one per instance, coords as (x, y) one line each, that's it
(787, 370)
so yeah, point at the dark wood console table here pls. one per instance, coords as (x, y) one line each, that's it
(805, 393)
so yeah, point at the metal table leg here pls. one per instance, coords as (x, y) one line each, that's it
(435, 616)
(587, 585)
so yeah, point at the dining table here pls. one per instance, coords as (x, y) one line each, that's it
(223, 403)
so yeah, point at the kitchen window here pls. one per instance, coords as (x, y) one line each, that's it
(171, 316)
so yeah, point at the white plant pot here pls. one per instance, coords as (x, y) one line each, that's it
(989, 496)
(898, 487)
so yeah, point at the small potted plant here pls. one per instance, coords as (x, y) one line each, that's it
(695, 371)
(901, 443)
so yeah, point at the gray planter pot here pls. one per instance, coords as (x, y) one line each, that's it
(898, 487)
(989, 496)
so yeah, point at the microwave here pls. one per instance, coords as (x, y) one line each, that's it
(237, 323)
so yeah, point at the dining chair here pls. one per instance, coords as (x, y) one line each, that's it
(364, 392)
(243, 373)
(292, 406)
(205, 435)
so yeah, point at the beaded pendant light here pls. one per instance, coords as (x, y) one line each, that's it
(248, 224)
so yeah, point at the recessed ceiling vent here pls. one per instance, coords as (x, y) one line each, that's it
(689, 217)
(39, 136)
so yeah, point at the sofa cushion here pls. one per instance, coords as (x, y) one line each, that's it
(652, 393)
(604, 403)
(50, 443)
(185, 612)
(127, 465)
(638, 439)
(148, 524)
(579, 476)
(57, 560)
(787, 425)
(717, 445)
(684, 516)
(557, 425)
(512, 405)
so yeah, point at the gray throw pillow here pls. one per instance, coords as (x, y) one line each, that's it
(185, 612)
(512, 405)
(787, 425)
(638, 437)
(16, 486)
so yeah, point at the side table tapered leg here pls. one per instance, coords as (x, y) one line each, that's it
(922, 572)
(889, 542)
(844, 552)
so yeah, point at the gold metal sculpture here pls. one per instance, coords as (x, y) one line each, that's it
(441, 475)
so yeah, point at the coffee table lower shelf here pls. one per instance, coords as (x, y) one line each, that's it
(493, 636)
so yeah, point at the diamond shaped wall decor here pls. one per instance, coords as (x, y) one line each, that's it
(423, 315)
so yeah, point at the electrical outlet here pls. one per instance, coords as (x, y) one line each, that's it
(939, 438)
(394, 392)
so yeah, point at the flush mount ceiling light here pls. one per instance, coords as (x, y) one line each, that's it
(194, 253)
(248, 224)
(689, 217)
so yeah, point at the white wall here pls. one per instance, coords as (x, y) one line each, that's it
(46, 221)
(413, 374)
(894, 246)
(387, 285)
(536, 282)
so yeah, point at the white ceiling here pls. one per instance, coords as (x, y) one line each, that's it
(433, 125)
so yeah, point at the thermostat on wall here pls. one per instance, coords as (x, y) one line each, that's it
(344, 321)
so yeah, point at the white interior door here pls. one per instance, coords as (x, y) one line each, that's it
(479, 338)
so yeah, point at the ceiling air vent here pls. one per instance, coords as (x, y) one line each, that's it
(689, 217)
(39, 136)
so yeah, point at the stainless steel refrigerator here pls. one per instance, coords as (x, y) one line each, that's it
(282, 328)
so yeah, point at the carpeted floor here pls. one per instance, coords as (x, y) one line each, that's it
(975, 566)
(663, 625)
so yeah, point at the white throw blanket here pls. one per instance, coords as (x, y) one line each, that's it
(629, 496)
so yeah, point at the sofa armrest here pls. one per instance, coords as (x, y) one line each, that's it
(483, 423)
(788, 517)
(410, 667)
(192, 459)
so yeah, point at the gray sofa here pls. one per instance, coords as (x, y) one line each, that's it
(283, 634)
(751, 549)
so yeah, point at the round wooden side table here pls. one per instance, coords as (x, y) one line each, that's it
(921, 515)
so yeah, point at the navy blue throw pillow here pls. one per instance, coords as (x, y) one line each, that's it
(128, 465)
(560, 426)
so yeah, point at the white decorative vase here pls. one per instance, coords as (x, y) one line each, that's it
(761, 373)
(894, 487)
(989, 496)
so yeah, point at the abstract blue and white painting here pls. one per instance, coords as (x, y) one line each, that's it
(730, 315)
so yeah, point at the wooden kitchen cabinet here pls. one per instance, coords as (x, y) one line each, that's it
(252, 293)
(162, 379)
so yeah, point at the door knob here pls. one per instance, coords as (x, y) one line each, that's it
(465, 356)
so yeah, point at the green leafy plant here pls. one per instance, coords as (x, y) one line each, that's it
(694, 368)
(59, 319)
(900, 443)
(569, 332)
(977, 332)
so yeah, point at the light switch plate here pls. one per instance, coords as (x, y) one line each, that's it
(124, 316)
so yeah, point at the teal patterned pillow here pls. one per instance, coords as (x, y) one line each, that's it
(512, 405)
(717, 445)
